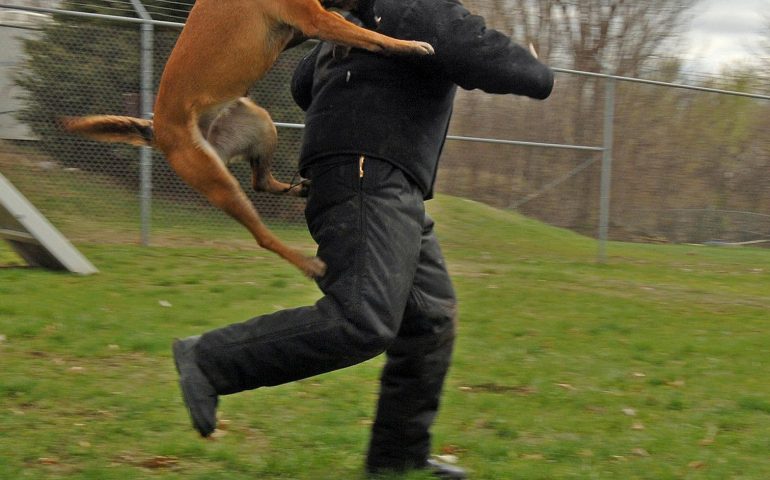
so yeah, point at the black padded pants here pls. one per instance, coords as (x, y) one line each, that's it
(386, 290)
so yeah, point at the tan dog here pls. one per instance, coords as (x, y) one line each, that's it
(200, 119)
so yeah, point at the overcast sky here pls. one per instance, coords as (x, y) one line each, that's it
(723, 32)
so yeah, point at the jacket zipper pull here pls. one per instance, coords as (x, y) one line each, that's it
(361, 166)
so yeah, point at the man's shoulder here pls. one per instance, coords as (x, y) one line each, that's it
(417, 7)
(417, 14)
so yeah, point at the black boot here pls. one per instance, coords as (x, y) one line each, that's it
(437, 469)
(199, 395)
(445, 471)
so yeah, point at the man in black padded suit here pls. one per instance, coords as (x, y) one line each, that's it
(375, 128)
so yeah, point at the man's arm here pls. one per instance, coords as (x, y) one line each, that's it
(470, 54)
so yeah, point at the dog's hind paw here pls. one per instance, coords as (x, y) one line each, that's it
(300, 189)
(303, 189)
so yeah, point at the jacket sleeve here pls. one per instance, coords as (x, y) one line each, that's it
(302, 80)
(467, 52)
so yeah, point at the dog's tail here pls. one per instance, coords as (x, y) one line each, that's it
(111, 128)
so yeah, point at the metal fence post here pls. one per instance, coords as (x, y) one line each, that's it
(606, 178)
(146, 92)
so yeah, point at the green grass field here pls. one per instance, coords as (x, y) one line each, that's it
(652, 366)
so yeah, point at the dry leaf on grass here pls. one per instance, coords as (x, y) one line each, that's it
(450, 449)
(640, 452)
(160, 461)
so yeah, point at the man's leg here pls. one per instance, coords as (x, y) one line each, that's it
(417, 364)
(368, 230)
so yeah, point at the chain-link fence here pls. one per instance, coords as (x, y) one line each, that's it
(675, 163)
(686, 165)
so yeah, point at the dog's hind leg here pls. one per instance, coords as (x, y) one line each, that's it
(243, 129)
(196, 162)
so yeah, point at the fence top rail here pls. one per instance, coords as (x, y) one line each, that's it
(100, 16)
(555, 69)
(662, 84)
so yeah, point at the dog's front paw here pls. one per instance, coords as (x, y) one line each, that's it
(422, 48)
(313, 267)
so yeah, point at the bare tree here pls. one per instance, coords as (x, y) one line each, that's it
(619, 36)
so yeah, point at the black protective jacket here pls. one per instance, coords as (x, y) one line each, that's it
(398, 108)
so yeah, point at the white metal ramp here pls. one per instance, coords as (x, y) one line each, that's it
(33, 237)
